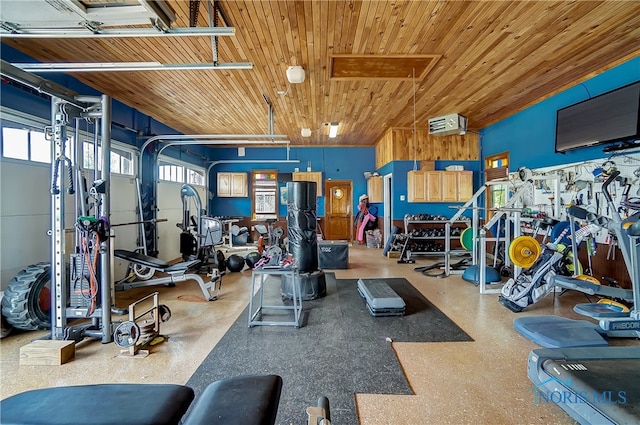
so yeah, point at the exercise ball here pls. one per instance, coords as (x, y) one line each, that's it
(472, 274)
(252, 258)
(235, 263)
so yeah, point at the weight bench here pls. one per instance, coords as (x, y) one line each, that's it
(243, 400)
(178, 272)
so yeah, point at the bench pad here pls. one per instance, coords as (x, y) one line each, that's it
(104, 404)
(243, 400)
(153, 262)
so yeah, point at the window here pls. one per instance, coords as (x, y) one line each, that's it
(195, 177)
(121, 159)
(172, 173)
(28, 145)
(180, 172)
(496, 166)
(40, 147)
(265, 194)
(15, 143)
(23, 138)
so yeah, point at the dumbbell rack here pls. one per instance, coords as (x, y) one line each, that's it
(438, 230)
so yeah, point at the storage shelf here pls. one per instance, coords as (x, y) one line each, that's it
(435, 221)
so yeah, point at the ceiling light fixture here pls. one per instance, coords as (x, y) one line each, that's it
(295, 74)
(333, 130)
(128, 66)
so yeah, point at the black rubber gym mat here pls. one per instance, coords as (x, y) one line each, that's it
(340, 350)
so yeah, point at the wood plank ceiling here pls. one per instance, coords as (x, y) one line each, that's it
(492, 59)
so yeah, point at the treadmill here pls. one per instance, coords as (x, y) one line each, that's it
(596, 385)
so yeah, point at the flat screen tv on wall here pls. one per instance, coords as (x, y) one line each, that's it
(611, 117)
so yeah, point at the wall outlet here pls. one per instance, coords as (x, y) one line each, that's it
(402, 197)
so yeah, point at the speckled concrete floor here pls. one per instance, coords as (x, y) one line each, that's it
(479, 382)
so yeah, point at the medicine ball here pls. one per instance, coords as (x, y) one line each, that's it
(235, 263)
(252, 258)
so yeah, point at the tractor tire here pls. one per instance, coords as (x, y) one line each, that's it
(26, 303)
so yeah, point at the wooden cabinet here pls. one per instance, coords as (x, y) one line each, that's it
(433, 184)
(439, 186)
(231, 185)
(310, 176)
(465, 185)
(449, 186)
(416, 186)
(374, 189)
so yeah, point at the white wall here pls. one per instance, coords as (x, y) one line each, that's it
(124, 201)
(25, 216)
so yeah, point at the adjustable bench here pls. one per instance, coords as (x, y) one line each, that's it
(243, 400)
(177, 273)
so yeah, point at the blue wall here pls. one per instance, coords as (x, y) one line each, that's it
(399, 170)
(529, 136)
(334, 163)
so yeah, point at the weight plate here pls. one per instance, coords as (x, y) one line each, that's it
(274, 251)
(559, 228)
(466, 238)
(278, 232)
(164, 313)
(126, 334)
(524, 251)
(143, 272)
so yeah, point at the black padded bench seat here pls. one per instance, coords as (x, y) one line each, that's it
(153, 262)
(102, 404)
(244, 400)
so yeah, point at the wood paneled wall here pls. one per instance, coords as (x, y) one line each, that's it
(398, 145)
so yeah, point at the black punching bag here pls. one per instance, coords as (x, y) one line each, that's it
(302, 224)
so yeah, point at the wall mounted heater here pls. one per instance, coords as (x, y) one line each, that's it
(447, 125)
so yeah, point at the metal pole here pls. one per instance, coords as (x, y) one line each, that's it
(105, 246)
(58, 269)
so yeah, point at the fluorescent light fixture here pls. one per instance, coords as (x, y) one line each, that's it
(20, 32)
(127, 66)
(333, 130)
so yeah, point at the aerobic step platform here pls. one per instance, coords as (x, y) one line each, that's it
(381, 299)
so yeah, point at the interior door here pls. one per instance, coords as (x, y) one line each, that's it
(339, 210)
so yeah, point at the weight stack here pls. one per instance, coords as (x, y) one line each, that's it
(302, 224)
(80, 290)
